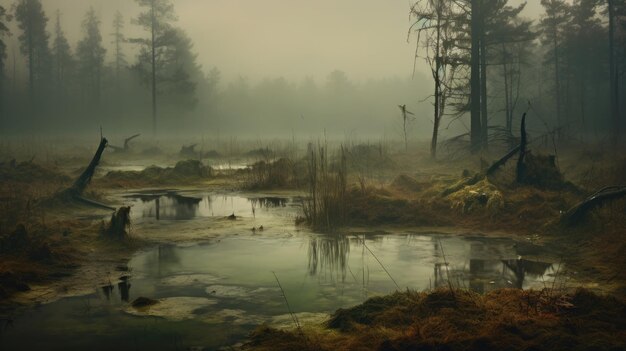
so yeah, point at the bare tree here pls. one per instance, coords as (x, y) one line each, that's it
(405, 119)
(434, 28)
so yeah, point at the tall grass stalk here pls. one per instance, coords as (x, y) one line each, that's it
(325, 205)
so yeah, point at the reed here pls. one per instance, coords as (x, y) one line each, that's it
(325, 205)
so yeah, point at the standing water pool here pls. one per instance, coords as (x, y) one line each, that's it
(212, 293)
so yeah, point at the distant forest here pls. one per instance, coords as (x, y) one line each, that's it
(489, 65)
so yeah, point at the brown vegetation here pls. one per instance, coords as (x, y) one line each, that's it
(184, 172)
(506, 319)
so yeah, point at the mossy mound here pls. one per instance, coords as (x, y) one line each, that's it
(482, 195)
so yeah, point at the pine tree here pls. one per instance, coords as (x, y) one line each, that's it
(90, 54)
(32, 22)
(62, 56)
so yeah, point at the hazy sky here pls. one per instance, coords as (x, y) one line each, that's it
(291, 38)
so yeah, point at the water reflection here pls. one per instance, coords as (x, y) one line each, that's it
(175, 206)
(480, 265)
(123, 289)
(328, 257)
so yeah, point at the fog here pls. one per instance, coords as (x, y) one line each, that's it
(264, 69)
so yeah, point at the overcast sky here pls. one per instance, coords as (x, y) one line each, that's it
(290, 38)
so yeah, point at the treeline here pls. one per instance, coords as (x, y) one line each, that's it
(336, 105)
(566, 69)
(72, 86)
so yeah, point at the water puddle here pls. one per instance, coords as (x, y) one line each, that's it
(211, 294)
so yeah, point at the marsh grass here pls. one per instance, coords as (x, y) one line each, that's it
(446, 319)
(325, 205)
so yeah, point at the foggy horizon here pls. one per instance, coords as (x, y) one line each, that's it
(251, 39)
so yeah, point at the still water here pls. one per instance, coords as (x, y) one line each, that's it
(213, 293)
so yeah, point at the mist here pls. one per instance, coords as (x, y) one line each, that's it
(288, 47)
(260, 175)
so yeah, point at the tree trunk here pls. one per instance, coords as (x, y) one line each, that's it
(154, 91)
(507, 101)
(437, 117)
(31, 60)
(614, 88)
(475, 128)
(81, 183)
(557, 81)
(483, 91)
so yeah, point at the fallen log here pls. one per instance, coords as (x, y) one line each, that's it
(577, 213)
(501, 162)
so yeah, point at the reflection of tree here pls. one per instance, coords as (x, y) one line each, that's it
(160, 261)
(521, 267)
(124, 288)
(170, 206)
(478, 269)
(329, 255)
(181, 207)
(268, 202)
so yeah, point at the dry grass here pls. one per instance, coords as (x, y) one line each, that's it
(184, 172)
(39, 237)
(504, 319)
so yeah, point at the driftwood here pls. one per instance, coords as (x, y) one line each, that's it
(577, 213)
(126, 144)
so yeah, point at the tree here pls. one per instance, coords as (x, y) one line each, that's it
(90, 55)
(553, 25)
(155, 20)
(476, 133)
(4, 32)
(505, 37)
(435, 36)
(118, 39)
(613, 9)
(62, 56)
(178, 73)
(32, 22)
(585, 51)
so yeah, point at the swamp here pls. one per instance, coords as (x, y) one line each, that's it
(290, 175)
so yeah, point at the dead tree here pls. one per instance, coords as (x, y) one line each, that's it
(405, 118)
(76, 190)
(81, 183)
(577, 213)
(126, 144)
